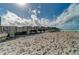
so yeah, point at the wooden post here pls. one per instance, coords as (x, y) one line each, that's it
(11, 31)
(28, 32)
(11, 34)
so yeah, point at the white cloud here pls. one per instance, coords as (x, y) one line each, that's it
(34, 12)
(38, 11)
(11, 19)
(67, 16)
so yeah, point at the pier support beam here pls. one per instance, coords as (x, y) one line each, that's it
(28, 32)
(11, 34)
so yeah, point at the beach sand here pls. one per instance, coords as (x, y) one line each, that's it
(55, 43)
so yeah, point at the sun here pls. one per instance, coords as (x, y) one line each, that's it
(21, 4)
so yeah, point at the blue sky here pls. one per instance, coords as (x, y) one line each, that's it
(47, 10)
(65, 14)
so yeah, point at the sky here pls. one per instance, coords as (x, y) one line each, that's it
(60, 15)
(45, 10)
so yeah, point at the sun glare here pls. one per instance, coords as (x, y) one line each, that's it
(21, 4)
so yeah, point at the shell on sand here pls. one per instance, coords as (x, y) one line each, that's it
(58, 43)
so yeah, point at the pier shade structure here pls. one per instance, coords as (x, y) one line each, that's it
(12, 31)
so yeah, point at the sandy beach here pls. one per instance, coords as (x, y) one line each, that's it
(55, 43)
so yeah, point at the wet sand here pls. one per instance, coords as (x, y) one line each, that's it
(55, 43)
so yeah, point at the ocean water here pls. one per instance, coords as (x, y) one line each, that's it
(70, 30)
